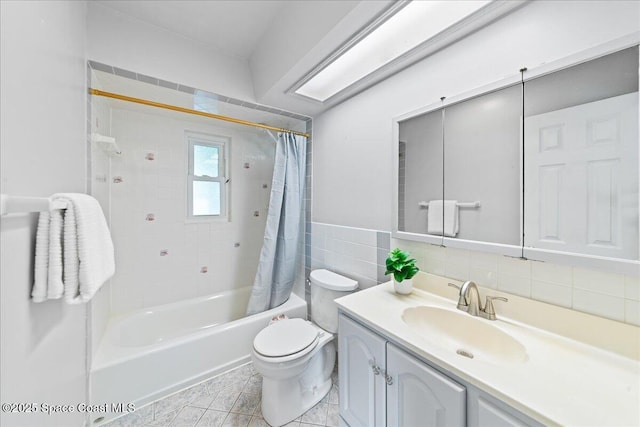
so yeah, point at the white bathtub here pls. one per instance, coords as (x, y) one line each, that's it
(150, 353)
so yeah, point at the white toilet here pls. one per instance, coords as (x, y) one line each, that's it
(296, 357)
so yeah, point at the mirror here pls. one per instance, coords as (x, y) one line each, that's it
(482, 164)
(420, 154)
(581, 158)
(574, 158)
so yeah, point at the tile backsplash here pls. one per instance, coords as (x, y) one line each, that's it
(360, 254)
(611, 295)
(354, 252)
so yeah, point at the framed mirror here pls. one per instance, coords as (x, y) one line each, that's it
(543, 166)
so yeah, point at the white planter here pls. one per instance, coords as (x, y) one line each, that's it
(405, 287)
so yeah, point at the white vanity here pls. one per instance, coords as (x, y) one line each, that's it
(416, 360)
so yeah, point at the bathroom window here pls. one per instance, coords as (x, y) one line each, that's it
(207, 177)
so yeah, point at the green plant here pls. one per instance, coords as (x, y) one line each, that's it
(401, 265)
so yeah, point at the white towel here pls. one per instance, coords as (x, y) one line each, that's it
(435, 218)
(55, 285)
(40, 279)
(74, 251)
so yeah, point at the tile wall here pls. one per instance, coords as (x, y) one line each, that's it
(186, 89)
(402, 173)
(160, 256)
(611, 295)
(360, 254)
(357, 253)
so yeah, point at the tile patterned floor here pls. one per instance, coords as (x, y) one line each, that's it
(230, 399)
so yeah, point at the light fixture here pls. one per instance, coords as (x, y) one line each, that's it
(407, 28)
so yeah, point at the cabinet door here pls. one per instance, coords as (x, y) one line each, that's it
(420, 396)
(486, 411)
(362, 386)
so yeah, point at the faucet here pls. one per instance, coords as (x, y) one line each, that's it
(469, 301)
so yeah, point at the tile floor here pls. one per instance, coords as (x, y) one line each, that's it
(229, 399)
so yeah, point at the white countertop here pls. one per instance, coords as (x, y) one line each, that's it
(566, 379)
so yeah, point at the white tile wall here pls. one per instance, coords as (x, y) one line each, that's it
(169, 259)
(353, 252)
(611, 295)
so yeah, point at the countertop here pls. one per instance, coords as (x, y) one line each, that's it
(580, 369)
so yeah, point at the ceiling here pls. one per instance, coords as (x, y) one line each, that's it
(281, 41)
(236, 35)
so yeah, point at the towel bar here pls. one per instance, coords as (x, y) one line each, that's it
(14, 204)
(473, 205)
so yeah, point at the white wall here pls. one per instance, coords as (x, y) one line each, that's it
(43, 149)
(128, 43)
(352, 141)
(144, 276)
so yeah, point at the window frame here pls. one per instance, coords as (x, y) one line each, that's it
(194, 139)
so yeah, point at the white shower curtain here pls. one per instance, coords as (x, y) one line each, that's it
(283, 233)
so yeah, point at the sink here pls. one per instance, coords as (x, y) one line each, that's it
(466, 335)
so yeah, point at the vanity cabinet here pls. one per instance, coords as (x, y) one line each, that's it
(362, 383)
(382, 384)
(418, 395)
(485, 410)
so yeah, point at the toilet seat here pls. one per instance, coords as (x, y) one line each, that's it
(286, 339)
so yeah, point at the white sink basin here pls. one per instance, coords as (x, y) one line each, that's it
(466, 335)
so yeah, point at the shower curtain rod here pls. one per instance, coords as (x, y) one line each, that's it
(190, 111)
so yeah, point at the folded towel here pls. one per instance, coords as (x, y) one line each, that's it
(434, 217)
(440, 224)
(40, 282)
(74, 251)
(55, 286)
(451, 222)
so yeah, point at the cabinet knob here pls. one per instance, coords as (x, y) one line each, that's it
(374, 368)
(389, 379)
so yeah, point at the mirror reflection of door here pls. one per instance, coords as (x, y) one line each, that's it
(581, 158)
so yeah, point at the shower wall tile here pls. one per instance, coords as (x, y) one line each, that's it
(175, 86)
(125, 73)
(161, 260)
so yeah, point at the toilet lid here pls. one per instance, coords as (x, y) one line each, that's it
(285, 337)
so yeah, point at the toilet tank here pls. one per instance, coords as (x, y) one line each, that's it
(326, 286)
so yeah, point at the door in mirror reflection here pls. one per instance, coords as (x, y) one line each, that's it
(581, 158)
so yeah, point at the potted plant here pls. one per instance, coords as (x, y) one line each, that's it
(403, 268)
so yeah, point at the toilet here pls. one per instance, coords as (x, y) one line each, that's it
(296, 357)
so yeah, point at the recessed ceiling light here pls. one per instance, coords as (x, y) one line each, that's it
(409, 27)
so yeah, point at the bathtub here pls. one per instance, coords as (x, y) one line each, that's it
(150, 353)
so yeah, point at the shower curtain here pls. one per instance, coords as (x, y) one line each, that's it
(283, 233)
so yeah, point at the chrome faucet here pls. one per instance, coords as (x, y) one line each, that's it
(469, 301)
